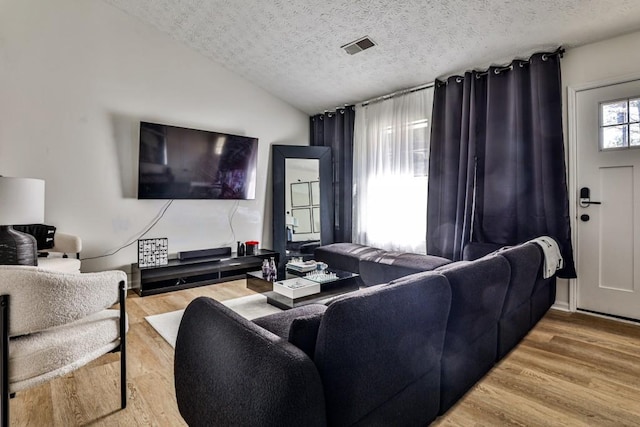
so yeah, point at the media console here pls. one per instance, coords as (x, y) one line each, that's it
(192, 272)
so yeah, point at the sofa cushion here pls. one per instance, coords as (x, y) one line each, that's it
(299, 325)
(391, 265)
(525, 261)
(346, 256)
(379, 352)
(478, 291)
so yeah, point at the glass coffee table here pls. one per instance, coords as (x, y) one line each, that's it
(342, 283)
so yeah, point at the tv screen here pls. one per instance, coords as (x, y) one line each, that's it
(181, 163)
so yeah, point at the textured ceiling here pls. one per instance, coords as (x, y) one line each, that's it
(291, 48)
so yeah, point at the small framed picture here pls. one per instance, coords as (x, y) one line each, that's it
(300, 194)
(315, 212)
(304, 220)
(315, 193)
(153, 252)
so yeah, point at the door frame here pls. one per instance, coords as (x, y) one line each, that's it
(572, 172)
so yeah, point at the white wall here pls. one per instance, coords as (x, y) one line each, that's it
(76, 77)
(597, 62)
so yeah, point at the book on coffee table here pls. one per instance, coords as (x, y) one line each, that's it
(296, 288)
(302, 266)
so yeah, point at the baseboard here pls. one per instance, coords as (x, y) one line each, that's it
(610, 317)
(562, 306)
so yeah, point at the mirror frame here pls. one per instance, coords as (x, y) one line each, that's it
(279, 153)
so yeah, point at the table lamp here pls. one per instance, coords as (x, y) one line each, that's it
(21, 202)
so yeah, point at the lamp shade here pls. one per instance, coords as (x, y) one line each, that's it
(21, 201)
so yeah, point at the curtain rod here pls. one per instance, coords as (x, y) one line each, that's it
(559, 51)
(383, 97)
(499, 69)
(397, 93)
(334, 111)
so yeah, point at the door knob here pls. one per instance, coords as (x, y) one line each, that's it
(585, 198)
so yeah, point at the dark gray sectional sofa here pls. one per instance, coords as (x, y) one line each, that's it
(376, 360)
(396, 353)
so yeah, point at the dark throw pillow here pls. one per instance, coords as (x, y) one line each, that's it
(299, 325)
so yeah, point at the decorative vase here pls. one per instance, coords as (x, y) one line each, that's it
(273, 271)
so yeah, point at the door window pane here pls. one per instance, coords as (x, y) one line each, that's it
(634, 135)
(620, 124)
(634, 110)
(614, 113)
(614, 137)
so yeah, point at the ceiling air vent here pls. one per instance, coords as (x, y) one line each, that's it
(358, 45)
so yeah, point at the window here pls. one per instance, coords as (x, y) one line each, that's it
(620, 124)
(413, 151)
(391, 163)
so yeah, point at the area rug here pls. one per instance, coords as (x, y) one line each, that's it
(249, 307)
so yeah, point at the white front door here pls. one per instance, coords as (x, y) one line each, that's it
(608, 165)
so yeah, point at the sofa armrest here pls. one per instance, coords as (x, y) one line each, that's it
(230, 371)
(65, 243)
(41, 299)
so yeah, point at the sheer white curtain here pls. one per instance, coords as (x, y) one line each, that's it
(391, 161)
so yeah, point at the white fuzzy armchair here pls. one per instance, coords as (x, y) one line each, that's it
(53, 323)
(58, 256)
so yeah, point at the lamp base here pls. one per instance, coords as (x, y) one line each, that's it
(17, 248)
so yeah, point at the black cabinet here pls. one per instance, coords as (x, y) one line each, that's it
(195, 272)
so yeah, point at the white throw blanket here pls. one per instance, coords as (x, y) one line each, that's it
(552, 258)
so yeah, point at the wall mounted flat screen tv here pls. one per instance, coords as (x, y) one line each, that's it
(181, 163)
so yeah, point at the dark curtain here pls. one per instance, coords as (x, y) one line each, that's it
(497, 165)
(335, 130)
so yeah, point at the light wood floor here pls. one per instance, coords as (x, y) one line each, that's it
(571, 370)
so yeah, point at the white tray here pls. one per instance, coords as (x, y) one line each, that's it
(296, 288)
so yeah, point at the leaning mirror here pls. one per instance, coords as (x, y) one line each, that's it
(299, 174)
(302, 200)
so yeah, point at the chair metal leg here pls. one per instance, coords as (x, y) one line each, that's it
(123, 346)
(4, 363)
